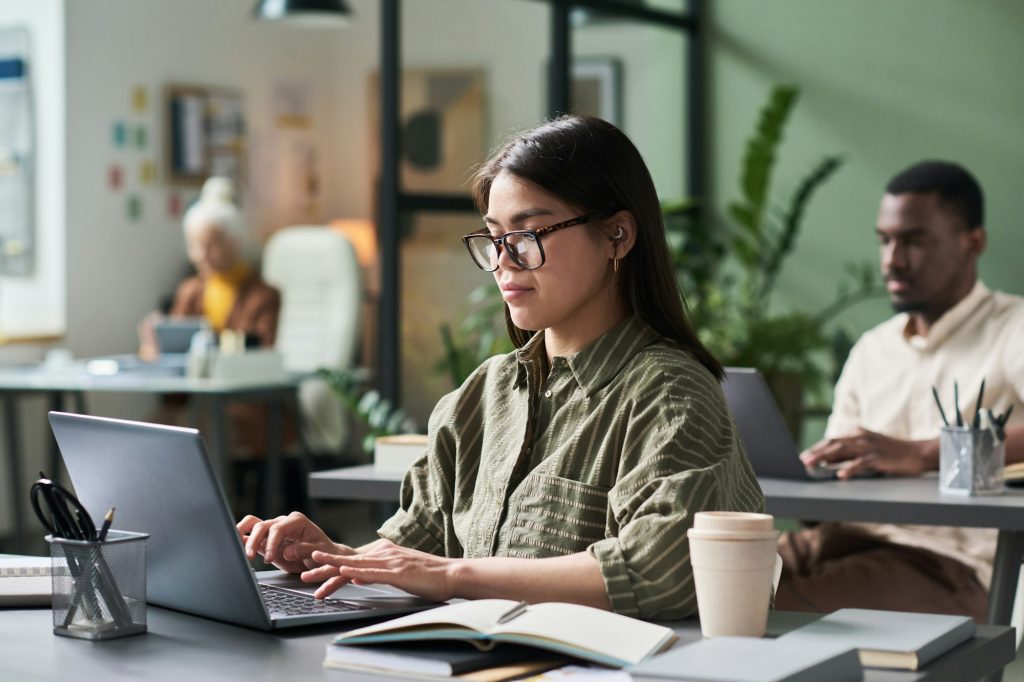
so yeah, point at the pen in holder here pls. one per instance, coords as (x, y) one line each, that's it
(99, 587)
(971, 461)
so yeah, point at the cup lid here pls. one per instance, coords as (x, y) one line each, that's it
(730, 535)
(733, 521)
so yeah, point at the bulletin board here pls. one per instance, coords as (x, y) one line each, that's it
(17, 156)
(206, 134)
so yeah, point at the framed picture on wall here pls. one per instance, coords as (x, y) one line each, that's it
(205, 134)
(596, 88)
(443, 126)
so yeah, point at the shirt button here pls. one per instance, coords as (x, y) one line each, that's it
(547, 394)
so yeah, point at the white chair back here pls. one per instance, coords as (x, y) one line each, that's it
(316, 271)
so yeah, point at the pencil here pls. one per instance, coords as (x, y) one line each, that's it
(102, 535)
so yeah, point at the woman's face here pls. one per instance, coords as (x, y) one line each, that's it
(573, 286)
(211, 249)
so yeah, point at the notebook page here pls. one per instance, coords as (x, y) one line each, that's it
(590, 629)
(477, 615)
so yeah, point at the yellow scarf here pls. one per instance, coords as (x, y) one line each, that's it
(220, 294)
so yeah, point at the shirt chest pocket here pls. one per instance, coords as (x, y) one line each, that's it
(552, 516)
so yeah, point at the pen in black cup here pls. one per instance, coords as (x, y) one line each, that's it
(938, 403)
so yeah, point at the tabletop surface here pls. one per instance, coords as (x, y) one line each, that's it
(880, 500)
(181, 647)
(139, 378)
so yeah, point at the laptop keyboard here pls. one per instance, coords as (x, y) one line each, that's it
(283, 602)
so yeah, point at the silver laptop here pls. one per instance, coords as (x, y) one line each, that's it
(174, 335)
(769, 444)
(161, 482)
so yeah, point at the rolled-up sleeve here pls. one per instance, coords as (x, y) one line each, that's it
(684, 457)
(426, 493)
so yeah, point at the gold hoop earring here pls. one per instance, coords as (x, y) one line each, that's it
(615, 265)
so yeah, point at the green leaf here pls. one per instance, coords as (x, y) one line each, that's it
(369, 401)
(756, 172)
(743, 215)
(377, 417)
(794, 214)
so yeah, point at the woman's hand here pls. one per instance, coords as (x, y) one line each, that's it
(148, 348)
(419, 573)
(287, 542)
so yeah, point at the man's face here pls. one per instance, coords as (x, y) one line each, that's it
(927, 253)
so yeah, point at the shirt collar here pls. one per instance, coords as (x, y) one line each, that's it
(950, 321)
(600, 361)
(532, 352)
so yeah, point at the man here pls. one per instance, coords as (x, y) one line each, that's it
(948, 327)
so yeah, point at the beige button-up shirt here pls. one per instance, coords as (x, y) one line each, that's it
(886, 387)
(609, 451)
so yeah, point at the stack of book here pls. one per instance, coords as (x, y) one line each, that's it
(494, 639)
(24, 581)
(836, 647)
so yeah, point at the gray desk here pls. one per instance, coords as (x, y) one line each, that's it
(880, 500)
(210, 397)
(180, 647)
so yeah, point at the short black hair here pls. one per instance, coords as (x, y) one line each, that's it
(954, 184)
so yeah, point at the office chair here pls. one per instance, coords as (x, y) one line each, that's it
(317, 273)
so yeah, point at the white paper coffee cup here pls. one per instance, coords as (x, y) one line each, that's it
(733, 559)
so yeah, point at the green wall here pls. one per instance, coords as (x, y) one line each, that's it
(885, 83)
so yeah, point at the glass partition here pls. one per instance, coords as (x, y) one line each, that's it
(466, 92)
(632, 74)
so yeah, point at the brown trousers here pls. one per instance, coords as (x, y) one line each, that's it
(831, 566)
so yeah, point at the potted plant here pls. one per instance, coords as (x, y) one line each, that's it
(729, 271)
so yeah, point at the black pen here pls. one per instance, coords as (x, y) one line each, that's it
(102, 535)
(515, 611)
(956, 404)
(938, 402)
(1006, 416)
(976, 423)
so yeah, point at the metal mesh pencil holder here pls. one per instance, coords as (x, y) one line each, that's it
(970, 461)
(99, 588)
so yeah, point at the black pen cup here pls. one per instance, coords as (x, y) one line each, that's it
(971, 461)
(99, 588)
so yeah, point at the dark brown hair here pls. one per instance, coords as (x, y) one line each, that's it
(592, 165)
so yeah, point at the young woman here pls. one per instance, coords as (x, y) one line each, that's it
(570, 469)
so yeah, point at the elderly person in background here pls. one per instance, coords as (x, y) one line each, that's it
(225, 290)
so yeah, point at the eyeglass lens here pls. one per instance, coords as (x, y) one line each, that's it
(522, 246)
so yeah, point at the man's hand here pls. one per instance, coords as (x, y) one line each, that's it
(865, 451)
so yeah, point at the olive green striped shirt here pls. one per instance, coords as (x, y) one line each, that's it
(610, 451)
